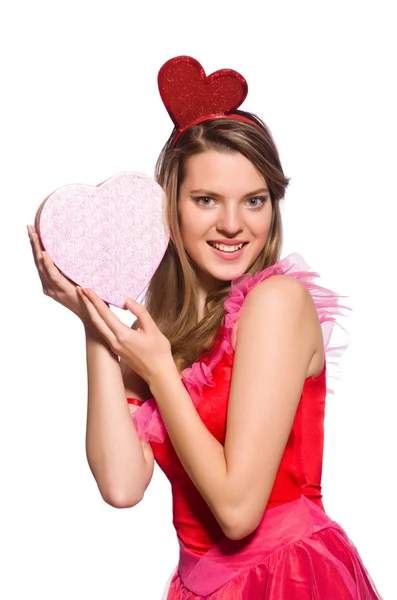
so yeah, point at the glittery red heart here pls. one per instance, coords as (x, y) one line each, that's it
(189, 95)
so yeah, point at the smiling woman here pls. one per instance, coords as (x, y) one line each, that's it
(230, 218)
(241, 440)
(224, 181)
(225, 370)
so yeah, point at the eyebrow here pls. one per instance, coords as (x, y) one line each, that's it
(215, 195)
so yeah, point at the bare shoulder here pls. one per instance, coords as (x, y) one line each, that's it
(280, 284)
(285, 303)
(281, 294)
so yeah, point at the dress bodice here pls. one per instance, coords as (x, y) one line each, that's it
(299, 472)
(208, 382)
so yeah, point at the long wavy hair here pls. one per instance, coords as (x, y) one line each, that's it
(171, 298)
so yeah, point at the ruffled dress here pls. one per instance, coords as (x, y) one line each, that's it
(297, 552)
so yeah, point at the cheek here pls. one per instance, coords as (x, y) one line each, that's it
(185, 227)
(189, 232)
(192, 224)
(261, 226)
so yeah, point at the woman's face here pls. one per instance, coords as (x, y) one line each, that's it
(223, 200)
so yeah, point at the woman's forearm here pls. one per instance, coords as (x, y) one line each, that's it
(114, 451)
(200, 453)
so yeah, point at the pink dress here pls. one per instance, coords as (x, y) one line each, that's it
(297, 552)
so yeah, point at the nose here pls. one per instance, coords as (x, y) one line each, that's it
(230, 219)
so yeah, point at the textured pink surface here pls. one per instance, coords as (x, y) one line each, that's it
(110, 238)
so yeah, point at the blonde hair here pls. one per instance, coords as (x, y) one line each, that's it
(171, 297)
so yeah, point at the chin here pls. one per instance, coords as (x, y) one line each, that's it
(226, 272)
(219, 270)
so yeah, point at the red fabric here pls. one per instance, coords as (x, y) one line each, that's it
(148, 420)
(135, 401)
(299, 472)
(297, 552)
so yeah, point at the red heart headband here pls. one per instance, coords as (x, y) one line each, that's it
(191, 97)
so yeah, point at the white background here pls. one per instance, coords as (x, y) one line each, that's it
(79, 103)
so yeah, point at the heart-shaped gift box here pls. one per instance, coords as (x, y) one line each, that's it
(110, 238)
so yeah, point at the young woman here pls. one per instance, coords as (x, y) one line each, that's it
(224, 373)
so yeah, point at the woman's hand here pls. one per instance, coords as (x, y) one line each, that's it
(54, 283)
(147, 351)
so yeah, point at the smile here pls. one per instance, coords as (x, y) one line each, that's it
(228, 252)
(225, 248)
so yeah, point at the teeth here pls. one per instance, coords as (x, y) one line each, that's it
(226, 248)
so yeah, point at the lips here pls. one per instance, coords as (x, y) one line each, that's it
(226, 243)
(228, 255)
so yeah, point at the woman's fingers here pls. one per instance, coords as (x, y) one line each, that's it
(49, 273)
(37, 250)
(52, 272)
(33, 245)
(35, 239)
(53, 282)
(38, 258)
(112, 322)
(97, 320)
(142, 314)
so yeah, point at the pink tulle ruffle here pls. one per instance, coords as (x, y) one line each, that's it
(147, 418)
(326, 302)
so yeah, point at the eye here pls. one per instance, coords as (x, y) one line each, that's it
(203, 200)
(257, 201)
